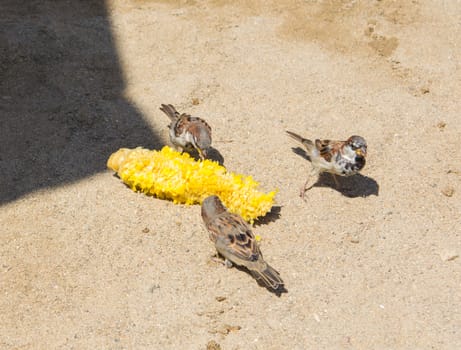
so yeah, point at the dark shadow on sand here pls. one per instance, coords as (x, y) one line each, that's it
(62, 110)
(273, 215)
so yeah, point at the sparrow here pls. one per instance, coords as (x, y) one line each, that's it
(234, 240)
(342, 158)
(187, 132)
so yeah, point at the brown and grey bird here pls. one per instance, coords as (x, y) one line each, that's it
(187, 132)
(342, 158)
(234, 240)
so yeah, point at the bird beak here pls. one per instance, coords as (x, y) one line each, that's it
(360, 152)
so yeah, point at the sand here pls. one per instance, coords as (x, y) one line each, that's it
(88, 264)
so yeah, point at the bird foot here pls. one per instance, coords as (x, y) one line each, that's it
(217, 259)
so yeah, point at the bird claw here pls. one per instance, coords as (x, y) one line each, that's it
(302, 194)
(227, 263)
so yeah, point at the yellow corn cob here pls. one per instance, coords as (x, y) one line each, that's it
(168, 174)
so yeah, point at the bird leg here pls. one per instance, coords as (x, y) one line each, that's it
(305, 188)
(338, 186)
(178, 149)
(218, 259)
(201, 153)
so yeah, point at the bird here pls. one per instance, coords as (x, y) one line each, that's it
(235, 241)
(188, 132)
(342, 158)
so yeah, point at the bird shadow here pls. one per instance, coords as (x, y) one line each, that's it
(215, 155)
(301, 152)
(354, 186)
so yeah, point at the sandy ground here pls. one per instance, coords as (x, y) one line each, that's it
(85, 263)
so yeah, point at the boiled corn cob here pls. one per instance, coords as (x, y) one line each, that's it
(168, 174)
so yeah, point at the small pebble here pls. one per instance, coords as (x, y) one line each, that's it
(154, 287)
(226, 329)
(424, 90)
(448, 191)
(448, 255)
(212, 345)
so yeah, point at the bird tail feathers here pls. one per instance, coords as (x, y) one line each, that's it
(269, 277)
(306, 142)
(170, 111)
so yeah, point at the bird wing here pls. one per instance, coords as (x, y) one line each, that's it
(233, 235)
(182, 124)
(327, 148)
